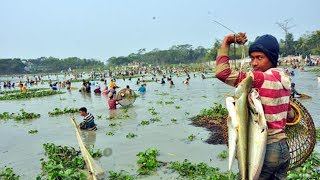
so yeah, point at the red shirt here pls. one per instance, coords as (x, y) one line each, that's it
(112, 103)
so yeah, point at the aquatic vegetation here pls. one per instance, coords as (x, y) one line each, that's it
(156, 119)
(160, 102)
(63, 163)
(7, 173)
(191, 137)
(122, 175)
(23, 116)
(308, 170)
(152, 110)
(114, 124)
(173, 120)
(204, 96)
(177, 107)
(131, 135)
(5, 115)
(147, 161)
(168, 102)
(125, 109)
(186, 113)
(223, 155)
(163, 94)
(313, 70)
(217, 111)
(19, 91)
(189, 170)
(318, 134)
(109, 133)
(28, 95)
(58, 111)
(145, 122)
(99, 116)
(95, 154)
(33, 131)
(181, 99)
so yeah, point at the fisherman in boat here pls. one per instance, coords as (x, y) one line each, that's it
(273, 86)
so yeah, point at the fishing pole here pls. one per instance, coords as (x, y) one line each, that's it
(234, 45)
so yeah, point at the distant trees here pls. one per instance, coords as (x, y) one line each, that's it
(176, 54)
(46, 64)
(10, 66)
(305, 45)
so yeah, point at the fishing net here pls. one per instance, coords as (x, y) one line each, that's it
(301, 133)
(95, 171)
(127, 96)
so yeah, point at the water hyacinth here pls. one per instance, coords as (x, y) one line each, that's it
(23, 115)
(28, 95)
(58, 111)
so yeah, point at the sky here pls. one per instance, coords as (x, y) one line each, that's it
(101, 29)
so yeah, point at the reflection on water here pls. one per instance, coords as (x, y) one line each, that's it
(88, 138)
(18, 147)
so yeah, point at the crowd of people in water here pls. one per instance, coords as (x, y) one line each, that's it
(97, 80)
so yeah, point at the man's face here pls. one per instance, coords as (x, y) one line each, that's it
(82, 113)
(260, 62)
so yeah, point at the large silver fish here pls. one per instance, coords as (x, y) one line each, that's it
(233, 125)
(247, 130)
(257, 138)
(241, 105)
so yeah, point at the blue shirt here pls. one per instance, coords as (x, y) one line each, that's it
(142, 89)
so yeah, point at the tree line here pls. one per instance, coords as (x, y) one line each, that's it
(304, 45)
(177, 54)
(46, 64)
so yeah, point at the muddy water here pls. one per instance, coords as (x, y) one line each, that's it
(22, 151)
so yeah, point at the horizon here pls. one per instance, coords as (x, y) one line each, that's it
(100, 30)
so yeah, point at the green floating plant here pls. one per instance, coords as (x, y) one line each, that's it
(147, 161)
(7, 173)
(131, 135)
(191, 137)
(145, 122)
(33, 131)
(122, 175)
(308, 170)
(223, 155)
(28, 95)
(23, 115)
(190, 170)
(62, 162)
(155, 119)
(110, 133)
(58, 111)
(173, 120)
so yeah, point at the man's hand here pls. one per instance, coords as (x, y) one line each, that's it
(240, 38)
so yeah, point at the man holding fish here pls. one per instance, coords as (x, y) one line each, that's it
(272, 89)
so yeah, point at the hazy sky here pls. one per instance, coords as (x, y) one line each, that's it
(102, 28)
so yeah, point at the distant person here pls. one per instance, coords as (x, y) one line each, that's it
(112, 102)
(23, 89)
(171, 83)
(293, 91)
(97, 90)
(162, 81)
(68, 84)
(142, 88)
(105, 91)
(88, 120)
(186, 81)
(112, 84)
